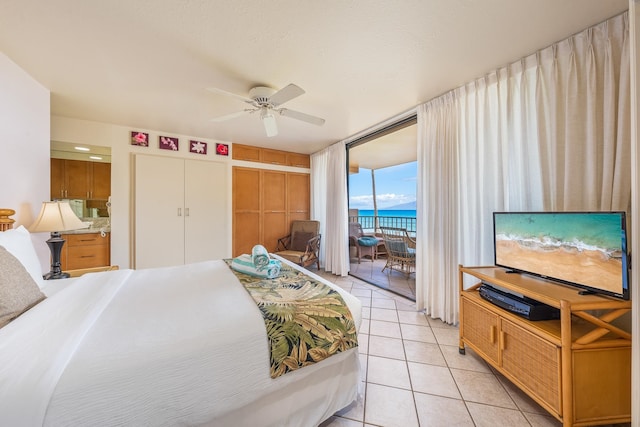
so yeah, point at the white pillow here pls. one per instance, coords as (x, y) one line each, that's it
(18, 242)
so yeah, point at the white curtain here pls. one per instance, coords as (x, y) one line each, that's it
(549, 132)
(319, 195)
(329, 183)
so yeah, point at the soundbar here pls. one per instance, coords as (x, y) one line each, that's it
(523, 306)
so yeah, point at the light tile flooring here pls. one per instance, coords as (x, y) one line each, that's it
(395, 281)
(413, 375)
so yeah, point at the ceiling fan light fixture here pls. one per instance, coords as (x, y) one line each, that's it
(268, 101)
(269, 122)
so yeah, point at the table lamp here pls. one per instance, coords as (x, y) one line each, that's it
(56, 217)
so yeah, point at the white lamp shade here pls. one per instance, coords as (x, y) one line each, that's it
(56, 216)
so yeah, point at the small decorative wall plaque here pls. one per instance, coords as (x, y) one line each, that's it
(168, 143)
(197, 147)
(222, 149)
(140, 139)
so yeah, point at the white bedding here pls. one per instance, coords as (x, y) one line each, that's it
(180, 345)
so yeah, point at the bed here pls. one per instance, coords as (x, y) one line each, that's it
(181, 345)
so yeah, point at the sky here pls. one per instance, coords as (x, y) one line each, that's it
(394, 185)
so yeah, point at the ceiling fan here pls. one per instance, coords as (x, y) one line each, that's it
(267, 101)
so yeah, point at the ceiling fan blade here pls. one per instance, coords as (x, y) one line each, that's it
(301, 116)
(269, 122)
(224, 92)
(285, 94)
(231, 116)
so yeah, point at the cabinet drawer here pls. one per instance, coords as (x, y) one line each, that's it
(479, 328)
(87, 256)
(85, 239)
(534, 361)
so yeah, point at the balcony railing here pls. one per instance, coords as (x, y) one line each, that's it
(372, 224)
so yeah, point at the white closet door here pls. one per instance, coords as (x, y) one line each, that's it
(159, 211)
(206, 221)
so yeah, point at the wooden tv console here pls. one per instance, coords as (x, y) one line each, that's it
(577, 367)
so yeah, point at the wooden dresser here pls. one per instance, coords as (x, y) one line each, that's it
(85, 250)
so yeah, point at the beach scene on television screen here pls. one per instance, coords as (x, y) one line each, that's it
(578, 248)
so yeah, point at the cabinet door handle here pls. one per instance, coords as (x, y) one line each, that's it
(186, 211)
(503, 340)
(492, 334)
(179, 211)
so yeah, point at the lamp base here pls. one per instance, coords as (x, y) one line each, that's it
(52, 275)
(55, 244)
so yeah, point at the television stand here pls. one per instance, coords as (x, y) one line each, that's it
(577, 367)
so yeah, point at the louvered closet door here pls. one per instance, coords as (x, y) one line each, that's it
(206, 211)
(159, 211)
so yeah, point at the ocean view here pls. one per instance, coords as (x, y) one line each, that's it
(405, 213)
(401, 218)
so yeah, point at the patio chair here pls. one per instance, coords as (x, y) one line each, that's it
(366, 245)
(302, 245)
(401, 250)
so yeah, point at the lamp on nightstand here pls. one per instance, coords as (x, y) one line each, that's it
(54, 218)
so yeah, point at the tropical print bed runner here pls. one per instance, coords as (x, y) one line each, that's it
(306, 320)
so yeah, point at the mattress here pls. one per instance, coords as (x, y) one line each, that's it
(182, 345)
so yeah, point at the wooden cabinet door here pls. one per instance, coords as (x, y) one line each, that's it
(274, 208)
(298, 160)
(206, 204)
(274, 157)
(247, 225)
(101, 182)
(57, 179)
(77, 176)
(246, 152)
(159, 211)
(298, 194)
(535, 363)
(480, 327)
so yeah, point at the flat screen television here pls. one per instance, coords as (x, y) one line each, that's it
(583, 249)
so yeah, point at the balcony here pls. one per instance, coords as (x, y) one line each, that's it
(370, 270)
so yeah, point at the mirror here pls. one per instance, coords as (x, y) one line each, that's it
(94, 210)
(89, 153)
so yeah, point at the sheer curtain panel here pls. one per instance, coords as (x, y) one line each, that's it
(319, 195)
(548, 132)
(329, 181)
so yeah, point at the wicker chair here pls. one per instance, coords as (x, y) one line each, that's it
(302, 246)
(366, 245)
(401, 250)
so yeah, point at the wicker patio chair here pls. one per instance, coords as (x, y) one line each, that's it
(401, 250)
(366, 245)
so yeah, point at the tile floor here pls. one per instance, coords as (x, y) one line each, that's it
(395, 281)
(412, 373)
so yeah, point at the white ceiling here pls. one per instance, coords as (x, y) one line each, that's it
(146, 63)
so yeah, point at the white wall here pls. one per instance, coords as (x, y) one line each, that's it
(118, 138)
(24, 148)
